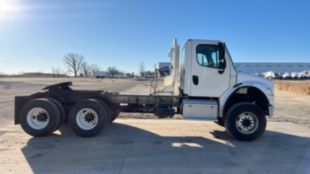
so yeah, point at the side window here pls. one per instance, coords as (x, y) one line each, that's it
(209, 56)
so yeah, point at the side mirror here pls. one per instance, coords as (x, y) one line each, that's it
(222, 62)
(222, 66)
(222, 51)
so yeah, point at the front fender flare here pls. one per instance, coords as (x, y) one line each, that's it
(254, 84)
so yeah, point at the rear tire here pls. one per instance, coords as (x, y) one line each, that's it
(245, 121)
(61, 110)
(40, 117)
(88, 117)
(115, 115)
(109, 111)
(115, 112)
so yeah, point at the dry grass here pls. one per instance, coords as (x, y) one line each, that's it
(294, 86)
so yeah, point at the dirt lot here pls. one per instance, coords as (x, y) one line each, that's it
(294, 86)
(153, 145)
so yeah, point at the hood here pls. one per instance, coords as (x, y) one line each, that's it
(249, 78)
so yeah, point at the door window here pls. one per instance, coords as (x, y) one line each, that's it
(209, 56)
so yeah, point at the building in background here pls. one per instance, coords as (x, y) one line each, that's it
(277, 67)
(289, 70)
(101, 74)
(40, 74)
(164, 68)
(106, 74)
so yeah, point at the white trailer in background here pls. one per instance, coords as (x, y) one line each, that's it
(269, 75)
(205, 83)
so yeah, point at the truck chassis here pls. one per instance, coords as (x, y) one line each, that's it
(65, 98)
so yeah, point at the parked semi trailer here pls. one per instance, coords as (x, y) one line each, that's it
(205, 83)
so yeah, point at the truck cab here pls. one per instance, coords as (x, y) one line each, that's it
(211, 85)
(206, 69)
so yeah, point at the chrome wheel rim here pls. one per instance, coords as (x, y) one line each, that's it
(247, 123)
(38, 118)
(87, 118)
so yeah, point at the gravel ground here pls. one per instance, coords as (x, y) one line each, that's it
(291, 107)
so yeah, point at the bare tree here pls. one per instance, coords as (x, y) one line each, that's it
(2, 74)
(86, 69)
(74, 62)
(141, 69)
(56, 71)
(89, 70)
(113, 70)
(94, 68)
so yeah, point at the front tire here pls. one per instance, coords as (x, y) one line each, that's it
(220, 121)
(88, 117)
(245, 121)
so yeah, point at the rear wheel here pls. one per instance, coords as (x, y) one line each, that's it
(40, 117)
(115, 112)
(245, 121)
(61, 110)
(115, 115)
(88, 117)
(109, 111)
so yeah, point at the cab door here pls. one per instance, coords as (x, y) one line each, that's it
(210, 77)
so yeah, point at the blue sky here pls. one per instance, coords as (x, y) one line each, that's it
(36, 34)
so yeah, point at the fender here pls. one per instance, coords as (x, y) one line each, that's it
(267, 90)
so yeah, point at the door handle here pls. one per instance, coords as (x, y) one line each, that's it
(195, 80)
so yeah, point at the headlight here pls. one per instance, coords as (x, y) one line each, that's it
(269, 92)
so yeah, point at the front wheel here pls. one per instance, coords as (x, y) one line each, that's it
(245, 121)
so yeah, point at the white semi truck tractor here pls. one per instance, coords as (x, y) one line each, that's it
(205, 83)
